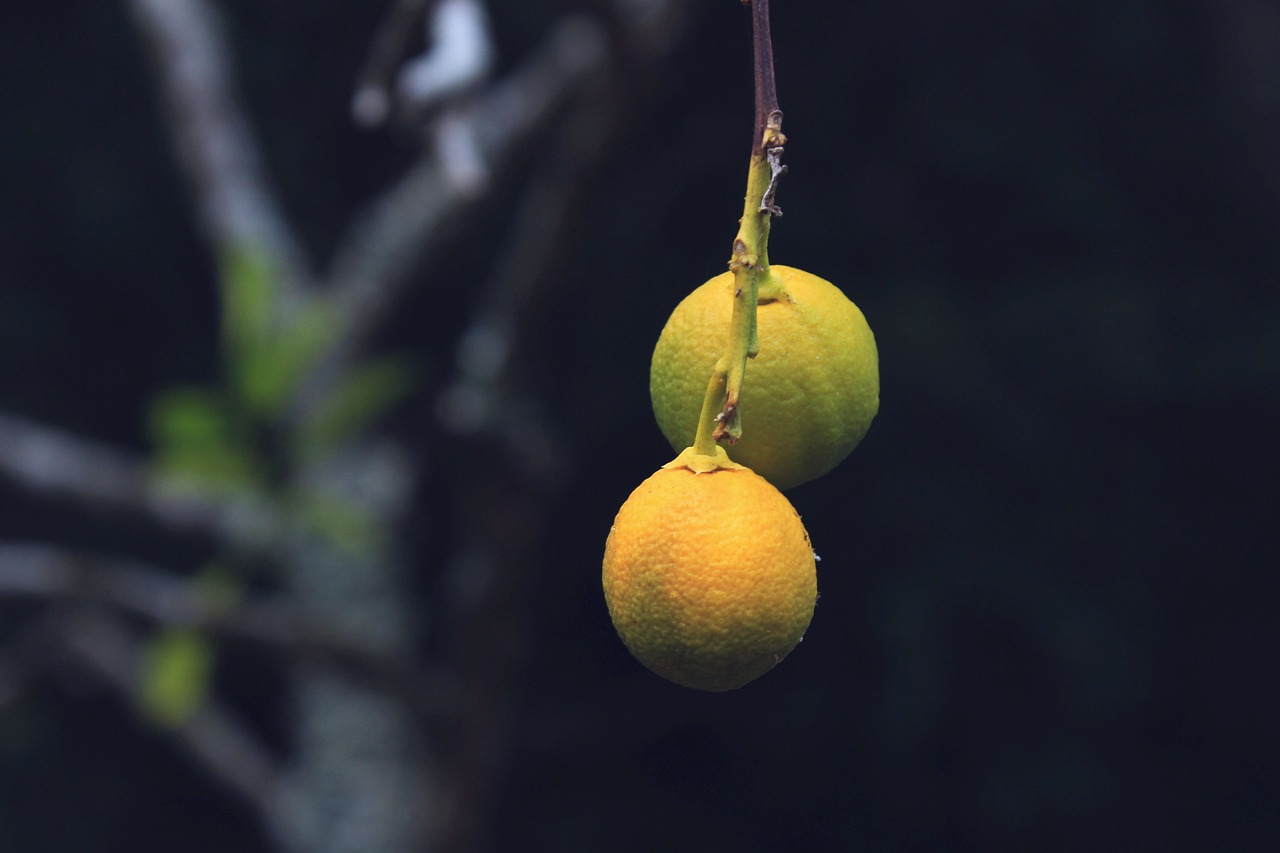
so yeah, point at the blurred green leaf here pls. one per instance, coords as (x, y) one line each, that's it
(177, 670)
(219, 587)
(266, 359)
(265, 375)
(301, 343)
(248, 291)
(363, 396)
(188, 417)
(195, 437)
(343, 524)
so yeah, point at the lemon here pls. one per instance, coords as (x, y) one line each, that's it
(808, 398)
(709, 577)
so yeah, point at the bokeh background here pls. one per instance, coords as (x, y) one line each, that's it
(1048, 574)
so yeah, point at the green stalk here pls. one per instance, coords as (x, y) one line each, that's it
(721, 416)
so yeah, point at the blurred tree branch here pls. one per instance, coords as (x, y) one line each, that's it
(51, 573)
(363, 772)
(213, 138)
(372, 102)
(56, 464)
(372, 265)
(114, 653)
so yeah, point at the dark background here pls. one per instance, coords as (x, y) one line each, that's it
(1048, 574)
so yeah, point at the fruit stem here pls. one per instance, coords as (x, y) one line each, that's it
(721, 416)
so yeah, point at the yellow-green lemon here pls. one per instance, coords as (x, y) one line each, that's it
(808, 398)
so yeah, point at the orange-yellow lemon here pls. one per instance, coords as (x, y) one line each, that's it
(808, 398)
(709, 577)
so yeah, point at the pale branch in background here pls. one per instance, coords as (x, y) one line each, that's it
(483, 393)
(113, 652)
(214, 141)
(53, 573)
(371, 104)
(373, 264)
(490, 396)
(458, 151)
(59, 465)
(459, 57)
(373, 261)
(363, 771)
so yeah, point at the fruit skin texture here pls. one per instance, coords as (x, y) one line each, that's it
(808, 398)
(709, 578)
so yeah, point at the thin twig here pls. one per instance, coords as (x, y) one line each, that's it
(371, 103)
(765, 85)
